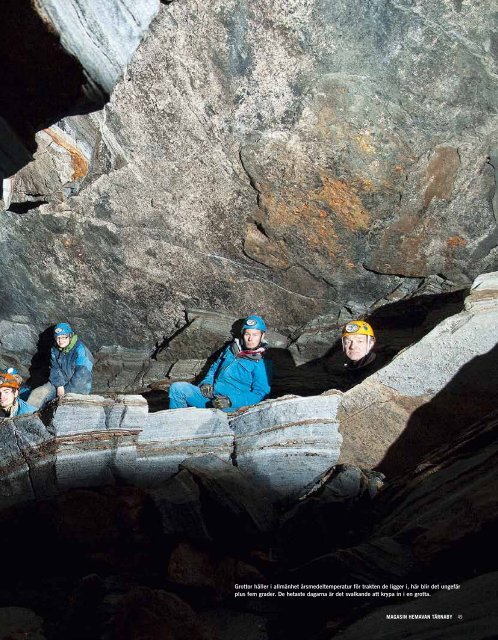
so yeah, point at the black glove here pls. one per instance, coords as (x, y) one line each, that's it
(206, 390)
(221, 402)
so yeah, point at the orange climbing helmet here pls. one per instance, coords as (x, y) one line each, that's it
(10, 380)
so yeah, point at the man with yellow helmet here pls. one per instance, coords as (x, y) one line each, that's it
(358, 340)
(11, 405)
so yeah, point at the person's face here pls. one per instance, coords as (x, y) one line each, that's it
(62, 341)
(7, 397)
(357, 347)
(252, 338)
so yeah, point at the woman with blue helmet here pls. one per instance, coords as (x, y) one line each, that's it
(241, 376)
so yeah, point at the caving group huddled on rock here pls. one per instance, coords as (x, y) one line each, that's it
(240, 377)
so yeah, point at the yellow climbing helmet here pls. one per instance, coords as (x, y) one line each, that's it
(357, 328)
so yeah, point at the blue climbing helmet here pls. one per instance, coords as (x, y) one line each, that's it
(63, 329)
(254, 322)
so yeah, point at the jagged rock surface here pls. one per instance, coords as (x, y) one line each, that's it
(429, 392)
(60, 58)
(287, 159)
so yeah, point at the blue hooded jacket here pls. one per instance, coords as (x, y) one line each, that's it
(244, 379)
(22, 408)
(72, 368)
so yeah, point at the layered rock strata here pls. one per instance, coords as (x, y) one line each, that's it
(280, 447)
(284, 445)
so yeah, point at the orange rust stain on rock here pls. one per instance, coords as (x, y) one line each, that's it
(363, 142)
(318, 215)
(344, 202)
(440, 174)
(457, 241)
(79, 162)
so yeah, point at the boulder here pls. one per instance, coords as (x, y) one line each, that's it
(284, 445)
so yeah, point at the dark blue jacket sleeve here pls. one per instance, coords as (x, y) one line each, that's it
(81, 380)
(56, 376)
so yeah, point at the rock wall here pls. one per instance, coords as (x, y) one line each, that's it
(60, 58)
(294, 160)
(429, 392)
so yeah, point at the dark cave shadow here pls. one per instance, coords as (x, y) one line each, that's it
(23, 207)
(39, 368)
(397, 325)
(235, 331)
(158, 399)
(467, 398)
(41, 82)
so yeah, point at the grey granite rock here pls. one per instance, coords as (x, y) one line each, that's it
(283, 445)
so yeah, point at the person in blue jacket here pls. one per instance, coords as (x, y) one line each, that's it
(71, 367)
(24, 389)
(241, 376)
(11, 405)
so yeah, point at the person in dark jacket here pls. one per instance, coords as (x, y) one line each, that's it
(11, 405)
(241, 376)
(71, 367)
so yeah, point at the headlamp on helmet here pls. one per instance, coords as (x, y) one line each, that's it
(254, 322)
(357, 328)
